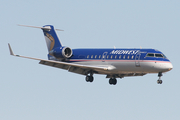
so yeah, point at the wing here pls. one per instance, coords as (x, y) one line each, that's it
(71, 67)
(77, 68)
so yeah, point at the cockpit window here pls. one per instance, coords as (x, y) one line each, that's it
(150, 55)
(159, 55)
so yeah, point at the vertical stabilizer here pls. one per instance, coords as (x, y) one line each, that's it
(51, 37)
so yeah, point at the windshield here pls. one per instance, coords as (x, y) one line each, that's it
(150, 55)
(158, 55)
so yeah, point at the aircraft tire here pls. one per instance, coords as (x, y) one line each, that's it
(112, 81)
(87, 78)
(91, 78)
(159, 81)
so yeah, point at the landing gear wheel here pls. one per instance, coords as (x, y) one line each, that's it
(112, 81)
(89, 78)
(159, 81)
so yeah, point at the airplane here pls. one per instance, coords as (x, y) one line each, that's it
(114, 63)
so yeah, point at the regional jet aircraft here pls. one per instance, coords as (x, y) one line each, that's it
(114, 63)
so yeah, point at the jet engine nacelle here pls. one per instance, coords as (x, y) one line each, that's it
(61, 52)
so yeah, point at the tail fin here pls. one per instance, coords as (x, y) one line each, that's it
(51, 37)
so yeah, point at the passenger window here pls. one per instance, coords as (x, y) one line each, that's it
(99, 56)
(128, 57)
(107, 56)
(124, 57)
(120, 57)
(88, 56)
(132, 57)
(91, 56)
(95, 56)
(150, 55)
(111, 56)
(159, 55)
(115, 56)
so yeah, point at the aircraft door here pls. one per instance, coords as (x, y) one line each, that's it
(137, 59)
(104, 56)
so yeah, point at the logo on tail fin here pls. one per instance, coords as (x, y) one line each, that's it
(52, 41)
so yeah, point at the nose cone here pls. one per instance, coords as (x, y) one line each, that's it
(170, 66)
(163, 66)
(167, 66)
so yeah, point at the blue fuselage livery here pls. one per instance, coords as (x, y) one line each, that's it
(125, 60)
(114, 63)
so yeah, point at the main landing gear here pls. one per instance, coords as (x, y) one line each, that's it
(89, 78)
(112, 81)
(159, 81)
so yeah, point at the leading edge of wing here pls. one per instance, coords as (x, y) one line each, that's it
(107, 67)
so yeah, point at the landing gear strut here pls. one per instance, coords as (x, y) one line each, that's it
(159, 81)
(112, 81)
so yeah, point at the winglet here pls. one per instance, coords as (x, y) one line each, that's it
(11, 52)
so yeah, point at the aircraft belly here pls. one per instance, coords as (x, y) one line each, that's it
(124, 67)
(121, 67)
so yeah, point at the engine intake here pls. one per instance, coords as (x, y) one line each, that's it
(61, 52)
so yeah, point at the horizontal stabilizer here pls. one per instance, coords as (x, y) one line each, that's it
(44, 28)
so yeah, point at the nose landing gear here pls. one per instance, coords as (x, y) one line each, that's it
(159, 81)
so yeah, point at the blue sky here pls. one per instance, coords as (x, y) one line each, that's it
(29, 90)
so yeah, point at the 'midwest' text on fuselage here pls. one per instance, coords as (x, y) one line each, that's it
(124, 52)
